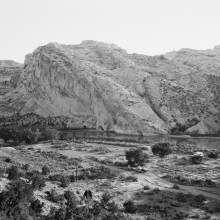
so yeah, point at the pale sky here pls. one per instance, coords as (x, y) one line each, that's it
(148, 27)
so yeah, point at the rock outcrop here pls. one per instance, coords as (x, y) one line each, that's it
(101, 86)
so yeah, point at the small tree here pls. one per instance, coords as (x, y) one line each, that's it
(136, 157)
(162, 149)
(28, 136)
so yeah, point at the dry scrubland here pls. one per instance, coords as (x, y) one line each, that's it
(171, 188)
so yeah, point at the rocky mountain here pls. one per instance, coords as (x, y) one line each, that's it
(99, 85)
(10, 73)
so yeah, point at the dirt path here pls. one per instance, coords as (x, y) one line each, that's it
(153, 181)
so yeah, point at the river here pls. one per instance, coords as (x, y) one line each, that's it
(208, 142)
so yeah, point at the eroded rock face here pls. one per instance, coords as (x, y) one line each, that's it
(10, 73)
(101, 86)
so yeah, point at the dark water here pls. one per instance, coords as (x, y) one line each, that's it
(210, 143)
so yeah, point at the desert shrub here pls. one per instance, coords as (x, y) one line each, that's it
(96, 209)
(55, 177)
(31, 174)
(162, 149)
(36, 206)
(101, 149)
(175, 186)
(26, 167)
(213, 154)
(1, 142)
(121, 163)
(72, 178)
(130, 207)
(70, 197)
(8, 160)
(146, 187)
(65, 181)
(106, 197)
(213, 207)
(2, 171)
(136, 157)
(156, 190)
(196, 159)
(199, 198)
(131, 178)
(54, 196)
(181, 197)
(38, 182)
(99, 172)
(45, 170)
(13, 173)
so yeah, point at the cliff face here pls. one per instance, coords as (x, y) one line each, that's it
(10, 73)
(101, 86)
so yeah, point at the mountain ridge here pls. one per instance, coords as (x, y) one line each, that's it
(100, 85)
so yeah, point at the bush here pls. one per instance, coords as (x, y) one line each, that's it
(199, 198)
(131, 178)
(99, 172)
(55, 177)
(175, 186)
(129, 207)
(162, 149)
(54, 196)
(72, 178)
(13, 173)
(8, 160)
(26, 167)
(36, 206)
(51, 134)
(1, 142)
(70, 197)
(213, 207)
(38, 182)
(2, 171)
(156, 190)
(197, 159)
(45, 170)
(146, 187)
(105, 198)
(181, 197)
(213, 154)
(65, 181)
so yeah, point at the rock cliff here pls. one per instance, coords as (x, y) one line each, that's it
(101, 86)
